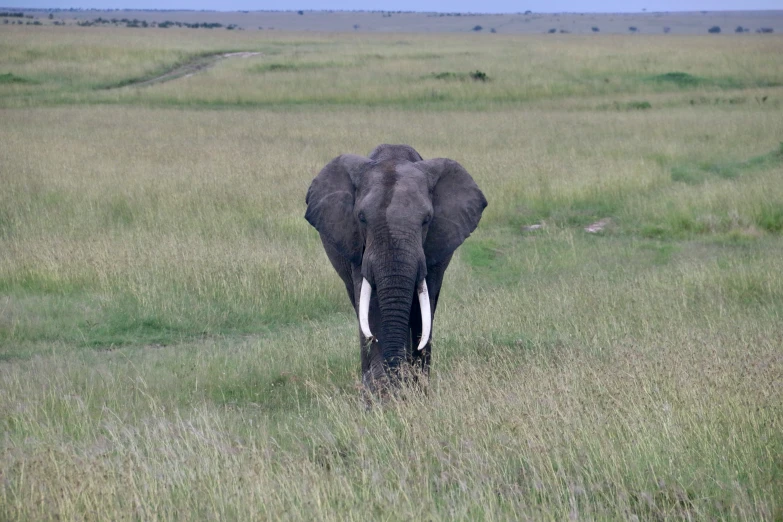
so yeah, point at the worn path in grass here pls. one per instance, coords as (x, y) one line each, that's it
(198, 64)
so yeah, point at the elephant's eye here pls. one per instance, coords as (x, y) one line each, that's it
(362, 218)
(427, 219)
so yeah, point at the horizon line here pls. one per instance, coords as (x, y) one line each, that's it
(528, 12)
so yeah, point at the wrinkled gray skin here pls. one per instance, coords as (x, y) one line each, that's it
(395, 220)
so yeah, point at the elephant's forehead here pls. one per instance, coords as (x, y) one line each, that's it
(399, 187)
(402, 177)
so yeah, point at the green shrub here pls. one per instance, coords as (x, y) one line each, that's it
(479, 76)
(12, 78)
(770, 218)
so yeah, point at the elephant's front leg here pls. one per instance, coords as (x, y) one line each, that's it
(420, 360)
(373, 372)
(374, 378)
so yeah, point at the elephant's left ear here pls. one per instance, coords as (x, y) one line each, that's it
(457, 206)
(330, 201)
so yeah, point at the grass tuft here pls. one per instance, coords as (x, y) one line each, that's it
(680, 79)
(694, 174)
(10, 78)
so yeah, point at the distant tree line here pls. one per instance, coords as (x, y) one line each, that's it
(633, 29)
(135, 23)
(22, 22)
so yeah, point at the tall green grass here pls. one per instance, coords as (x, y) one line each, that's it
(75, 66)
(175, 344)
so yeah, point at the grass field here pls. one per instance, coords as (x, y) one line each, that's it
(674, 23)
(175, 345)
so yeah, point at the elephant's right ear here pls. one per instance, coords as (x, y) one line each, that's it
(330, 201)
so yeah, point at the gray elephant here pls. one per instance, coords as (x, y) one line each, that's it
(389, 224)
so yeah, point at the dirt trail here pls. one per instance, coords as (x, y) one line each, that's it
(202, 63)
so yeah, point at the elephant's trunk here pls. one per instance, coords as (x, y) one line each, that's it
(424, 310)
(395, 291)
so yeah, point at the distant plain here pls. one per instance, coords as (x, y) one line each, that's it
(409, 22)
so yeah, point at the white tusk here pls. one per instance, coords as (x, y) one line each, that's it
(364, 308)
(426, 314)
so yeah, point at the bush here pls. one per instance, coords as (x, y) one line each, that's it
(765, 30)
(477, 75)
(595, 29)
(632, 29)
(667, 29)
(714, 29)
(477, 28)
(552, 31)
(446, 76)
(636, 105)
(739, 29)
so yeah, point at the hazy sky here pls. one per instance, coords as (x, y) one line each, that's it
(475, 6)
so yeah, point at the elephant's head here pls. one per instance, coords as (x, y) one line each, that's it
(389, 224)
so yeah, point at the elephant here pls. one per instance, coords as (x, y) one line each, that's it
(389, 224)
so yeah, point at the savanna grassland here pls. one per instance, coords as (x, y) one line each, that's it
(175, 345)
(524, 22)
